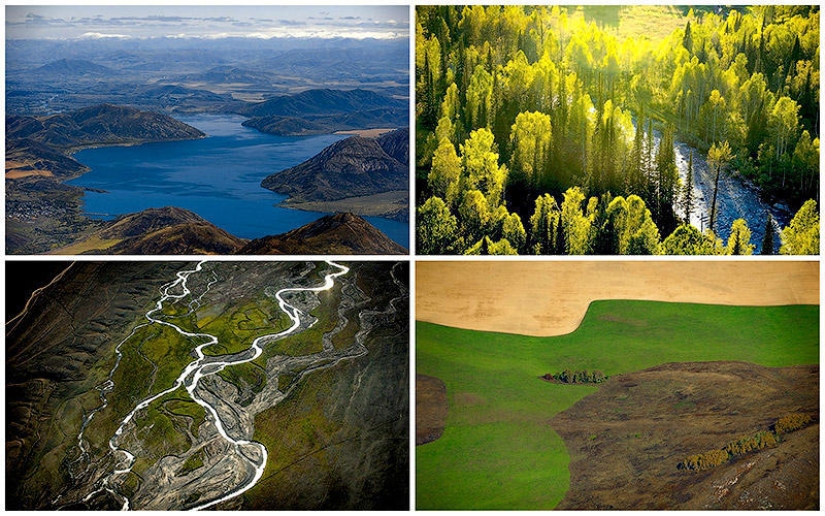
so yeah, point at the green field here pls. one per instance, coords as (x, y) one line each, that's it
(499, 452)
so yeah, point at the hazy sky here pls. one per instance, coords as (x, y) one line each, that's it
(209, 21)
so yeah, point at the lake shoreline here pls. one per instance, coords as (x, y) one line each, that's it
(219, 181)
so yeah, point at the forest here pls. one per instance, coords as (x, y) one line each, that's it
(543, 131)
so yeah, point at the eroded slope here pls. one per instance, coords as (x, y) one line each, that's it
(627, 439)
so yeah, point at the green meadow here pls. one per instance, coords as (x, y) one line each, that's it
(499, 452)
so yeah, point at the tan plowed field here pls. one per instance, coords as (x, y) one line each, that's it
(551, 298)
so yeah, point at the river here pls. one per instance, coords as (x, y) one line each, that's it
(735, 199)
(248, 457)
(218, 177)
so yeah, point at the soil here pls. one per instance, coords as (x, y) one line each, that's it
(551, 298)
(626, 440)
(430, 408)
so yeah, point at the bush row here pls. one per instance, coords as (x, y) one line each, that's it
(746, 443)
(749, 443)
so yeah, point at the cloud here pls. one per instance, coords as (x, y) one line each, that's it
(292, 23)
(155, 18)
(85, 22)
(98, 35)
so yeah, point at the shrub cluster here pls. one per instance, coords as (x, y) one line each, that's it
(705, 460)
(791, 422)
(568, 376)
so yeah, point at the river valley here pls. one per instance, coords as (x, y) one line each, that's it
(183, 417)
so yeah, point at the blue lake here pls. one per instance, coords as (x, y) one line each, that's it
(218, 177)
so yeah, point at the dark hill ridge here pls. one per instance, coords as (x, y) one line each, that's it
(74, 68)
(325, 111)
(149, 220)
(181, 239)
(176, 231)
(104, 124)
(285, 125)
(343, 233)
(158, 231)
(397, 144)
(352, 167)
(322, 102)
(29, 155)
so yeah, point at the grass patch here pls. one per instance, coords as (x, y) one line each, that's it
(284, 380)
(131, 386)
(310, 340)
(181, 404)
(195, 461)
(295, 433)
(170, 352)
(498, 452)
(247, 377)
(237, 327)
(159, 434)
(92, 243)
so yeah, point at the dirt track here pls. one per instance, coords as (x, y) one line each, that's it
(551, 298)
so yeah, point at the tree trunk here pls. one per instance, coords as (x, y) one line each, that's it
(713, 202)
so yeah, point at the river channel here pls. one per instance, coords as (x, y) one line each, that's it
(736, 199)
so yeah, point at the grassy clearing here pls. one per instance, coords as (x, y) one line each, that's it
(655, 22)
(195, 461)
(498, 452)
(159, 434)
(293, 428)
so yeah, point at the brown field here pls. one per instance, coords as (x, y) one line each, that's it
(627, 439)
(551, 298)
(20, 169)
(366, 206)
(365, 133)
(430, 408)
